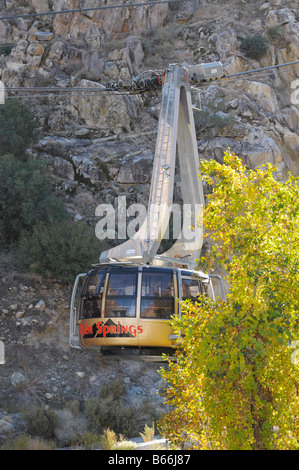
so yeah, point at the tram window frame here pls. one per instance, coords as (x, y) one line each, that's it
(122, 310)
(147, 300)
(95, 286)
(92, 294)
(201, 288)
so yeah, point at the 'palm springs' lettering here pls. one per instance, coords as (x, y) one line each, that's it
(105, 330)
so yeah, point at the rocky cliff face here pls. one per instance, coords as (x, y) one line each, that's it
(101, 146)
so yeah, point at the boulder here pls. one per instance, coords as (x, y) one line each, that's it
(59, 146)
(17, 379)
(40, 305)
(19, 51)
(256, 148)
(88, 168)
(56, 51)
(43, 35)
(226, 42)
(263, 94)
(136, 169)
(133, 54)
(234, 64)
(5, 426)
(40, 6)
(35, 49)
(280, 17)
(292, 141)
(291, 115)
(63, 168)
(102, 110)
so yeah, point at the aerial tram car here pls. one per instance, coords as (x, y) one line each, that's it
(123, 305)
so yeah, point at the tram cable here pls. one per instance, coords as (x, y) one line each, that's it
(84, 10)
(148, 80)
(261, 69)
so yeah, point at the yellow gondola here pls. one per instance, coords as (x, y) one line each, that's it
(126, 310)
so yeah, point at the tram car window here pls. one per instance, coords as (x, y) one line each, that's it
(192, 288)
(157, 295)
(121, 295)
(92, 294)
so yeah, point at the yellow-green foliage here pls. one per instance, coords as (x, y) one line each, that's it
(110, 441)
(149, 432)
(234, 385)
(25, 442)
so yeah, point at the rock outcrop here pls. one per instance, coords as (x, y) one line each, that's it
(100, 145)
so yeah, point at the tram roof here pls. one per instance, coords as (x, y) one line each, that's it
(126, 267)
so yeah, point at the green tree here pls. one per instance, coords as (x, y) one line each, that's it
(234, 385)
(60, 249)
(17, 128)
(25, 198)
